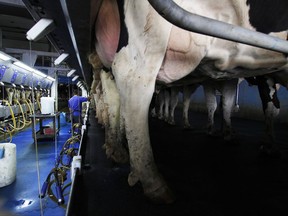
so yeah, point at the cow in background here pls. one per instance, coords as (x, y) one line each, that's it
(148, 48)
(166, 102)
(168, 99)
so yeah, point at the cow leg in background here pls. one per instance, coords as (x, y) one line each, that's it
(173, 103)
(161, 104)
(271, 108)
(211, 104)
(228, 90)
(167, 98)
(114, 143)
(188, 90)
(154, 103)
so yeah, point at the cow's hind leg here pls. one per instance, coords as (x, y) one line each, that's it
(271, 107)
(269, 146)
(188, 90)
(114, 142)
(211, 104)
(228, 100)
(173, 104)
(135, 100)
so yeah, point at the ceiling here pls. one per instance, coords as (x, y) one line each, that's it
(72, 32)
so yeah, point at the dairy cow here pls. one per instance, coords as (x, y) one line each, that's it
(140, 47)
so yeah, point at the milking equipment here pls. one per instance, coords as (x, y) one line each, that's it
(58, 175)
(19, 83)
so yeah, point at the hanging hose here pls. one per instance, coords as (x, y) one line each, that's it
(5, 131)
(58, 175)
(39, 105)
(30, 111)
(13, 117)
(12, 114)
(236, 106)
(31, 107)
(22, 112)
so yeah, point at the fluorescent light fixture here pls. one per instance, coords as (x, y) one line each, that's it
(78, 83)
(22, 86)
(50, 78)
(30, 87)
(1, 83)
(61, 58)
(40, 29)
(4, 57)
(22, 65)
(13, 85)
(75, 78)
(70, 73)
(39, 73)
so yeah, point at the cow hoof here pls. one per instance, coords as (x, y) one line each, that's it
(132, 179)
(187, 127)
(119, 156)
(270, 152)
(162, 195)
(230, 138)
(213, 133)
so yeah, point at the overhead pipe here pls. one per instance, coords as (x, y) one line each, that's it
(176, 15)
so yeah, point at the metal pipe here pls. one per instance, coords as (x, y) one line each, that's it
(203, 25)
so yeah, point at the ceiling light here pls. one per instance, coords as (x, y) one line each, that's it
(61, 58)
(50, 78)
(70, 73)
(75, 78)
(13, 85)
(4, 57)
(1, 83)
(22, 86)
(22, 65)
(39, 73)
(40, 29)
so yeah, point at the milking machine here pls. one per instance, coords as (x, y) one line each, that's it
(17, 86)
(15, 109)
(54, 186)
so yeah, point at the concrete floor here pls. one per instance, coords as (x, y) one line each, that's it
(22, 196)
(210, 177)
